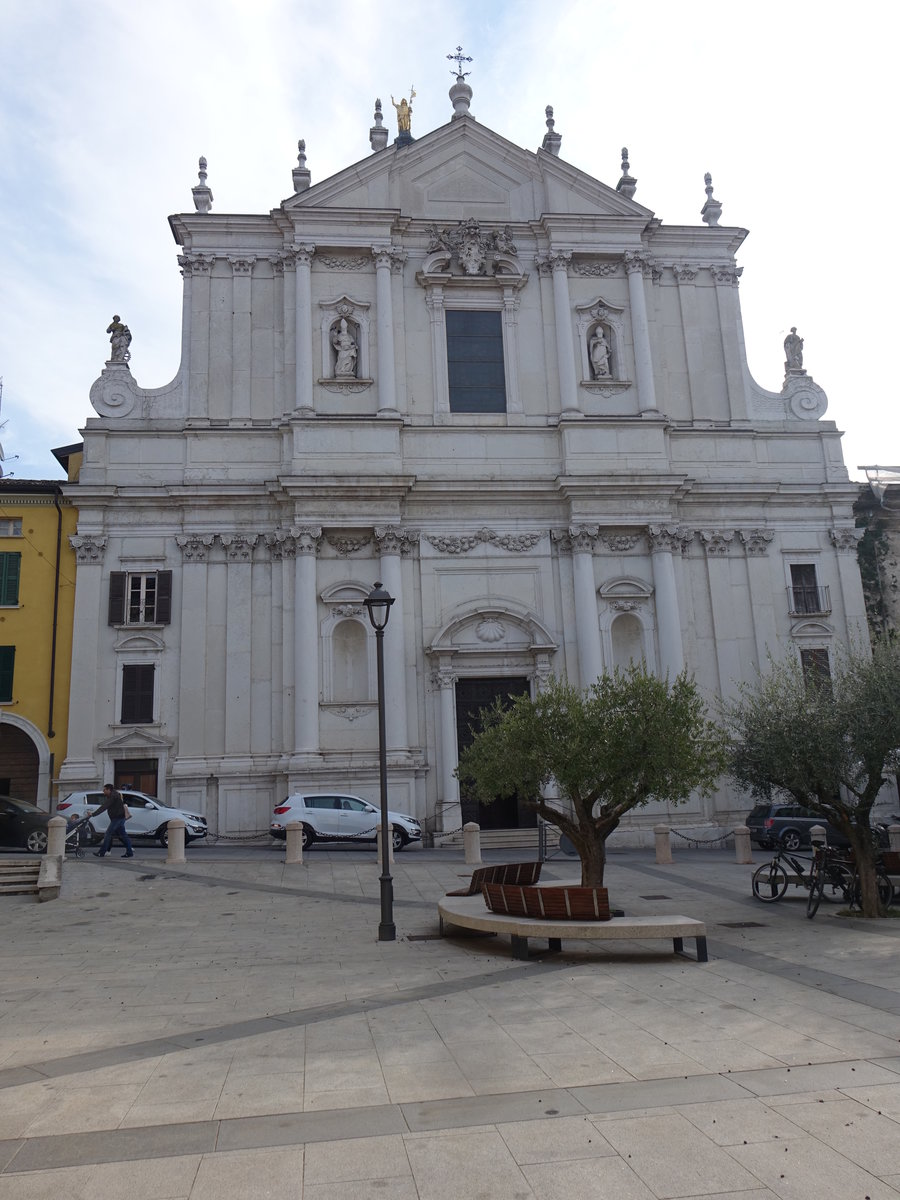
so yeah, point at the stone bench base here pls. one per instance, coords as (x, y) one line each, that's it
(469, 912)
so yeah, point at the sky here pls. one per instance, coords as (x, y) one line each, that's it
(106, 107)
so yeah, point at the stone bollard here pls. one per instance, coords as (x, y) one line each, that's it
(378, 844)
(894, 836)
(56, 836)
(294, 843)
(175, 848)
(817, 835)
(472, 843)
(742, 851)
(663, 844)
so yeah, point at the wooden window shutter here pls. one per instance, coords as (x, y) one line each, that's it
(117, 598)
(163, 597)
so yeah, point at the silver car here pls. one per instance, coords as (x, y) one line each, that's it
(149, 817)
(339, 817)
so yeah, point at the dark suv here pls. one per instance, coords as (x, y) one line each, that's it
(788, 826)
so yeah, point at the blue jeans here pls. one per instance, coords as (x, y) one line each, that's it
(116, 829)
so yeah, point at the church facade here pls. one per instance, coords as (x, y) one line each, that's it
(501, 388)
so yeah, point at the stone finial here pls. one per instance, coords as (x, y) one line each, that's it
(712, 209)
(627, 185)
(203, 197)
(552, 140)
(460, 97)
(301, 175)
(378, 134)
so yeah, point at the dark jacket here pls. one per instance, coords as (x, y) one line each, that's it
(114, 805)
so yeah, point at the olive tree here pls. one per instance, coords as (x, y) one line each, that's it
(830, 742)
(629, 739)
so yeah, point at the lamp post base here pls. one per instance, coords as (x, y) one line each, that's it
(387, 930)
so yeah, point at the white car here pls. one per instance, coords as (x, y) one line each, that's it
(338, 817)
(149, 817)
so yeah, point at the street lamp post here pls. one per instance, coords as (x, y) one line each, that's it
(378, 605)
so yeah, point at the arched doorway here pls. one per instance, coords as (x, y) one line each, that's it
(20, 764)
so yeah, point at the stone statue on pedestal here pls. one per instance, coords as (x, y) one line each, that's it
(346, 350)
(120, 340)
(793, 351)
(599, 352)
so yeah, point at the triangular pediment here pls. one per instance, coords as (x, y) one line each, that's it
(464, 169)
(135, 739)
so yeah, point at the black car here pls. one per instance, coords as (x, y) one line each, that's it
(23, 824)
(788, 826)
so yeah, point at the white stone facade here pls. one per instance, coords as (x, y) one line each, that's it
(644, 499)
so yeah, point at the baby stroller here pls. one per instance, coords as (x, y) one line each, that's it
(78, 835)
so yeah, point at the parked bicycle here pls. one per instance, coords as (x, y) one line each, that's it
(771, 880)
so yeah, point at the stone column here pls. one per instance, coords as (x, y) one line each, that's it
(726, 281)
(635, 265)
(759, 579)
(845, 542)
(195, 331)
(238, 624)
(306, 641)
(192, 656)
(303, 400)
(685, 276)
(281, 547)
(448, 801)
(393, 545)
(582, 540)
(569, 397)
(89, 615)
(663, 541)
(242, 272)
(278, 338)
(725, 606)
(385, 258)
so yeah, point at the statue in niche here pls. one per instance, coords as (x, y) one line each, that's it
(404, 111)
(793, 351)
(119, 340)
(345, 350)
(599, 352)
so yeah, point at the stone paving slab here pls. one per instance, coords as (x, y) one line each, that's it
(238, 1030)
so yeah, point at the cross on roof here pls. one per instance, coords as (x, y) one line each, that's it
(459, 58)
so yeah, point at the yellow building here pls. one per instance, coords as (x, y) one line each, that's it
(37, 595)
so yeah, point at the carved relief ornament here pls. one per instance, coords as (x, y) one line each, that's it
(516, 543)
(347, 545)
(475, 251)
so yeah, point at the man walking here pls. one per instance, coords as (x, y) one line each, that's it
(114, 804)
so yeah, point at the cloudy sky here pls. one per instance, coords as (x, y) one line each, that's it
(105, 108)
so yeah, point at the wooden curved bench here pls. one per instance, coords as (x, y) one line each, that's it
(523, 873)
(469, 912)
(554, 903)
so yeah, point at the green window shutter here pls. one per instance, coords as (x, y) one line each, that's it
(10, 567)
(7, 663)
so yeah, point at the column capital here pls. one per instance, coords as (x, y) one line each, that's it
(668, 538)
(89, 548)
(756, 541)
(559, 260)
(391, 539)
(194, 546)
(195, 264)
(845, 540)
(389, 258)
(241, 265)
(307, 539)
(303, 253)
(716, 542)
(444, 678)
(636, 262)
(727, 274)
(238, 546)
(281, 545)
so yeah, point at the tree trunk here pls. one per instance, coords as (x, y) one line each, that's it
(593, 861)
(865, 855)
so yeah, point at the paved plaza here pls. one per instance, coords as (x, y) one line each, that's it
(233, 1029)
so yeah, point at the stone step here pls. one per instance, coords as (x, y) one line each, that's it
(19, 877)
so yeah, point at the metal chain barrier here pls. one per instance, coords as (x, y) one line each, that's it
(695, 841)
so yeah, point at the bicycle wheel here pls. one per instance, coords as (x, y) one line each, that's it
(816, 887)
(770, 882)
(885, 890)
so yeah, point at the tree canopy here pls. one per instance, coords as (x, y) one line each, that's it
(829, 742)
(630, 738)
